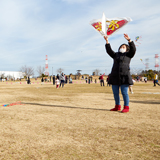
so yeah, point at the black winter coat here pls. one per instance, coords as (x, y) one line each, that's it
(120, 73)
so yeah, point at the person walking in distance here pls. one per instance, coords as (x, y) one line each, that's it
(57, 76)
(42, 81)
(86, 79)
(54, 80)
(108, 80)
(101, 79)
(156, 79)
(120, 75)
(62, 80)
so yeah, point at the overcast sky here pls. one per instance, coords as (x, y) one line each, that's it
(32, 29)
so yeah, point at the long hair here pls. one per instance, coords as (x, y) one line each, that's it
(127, 47)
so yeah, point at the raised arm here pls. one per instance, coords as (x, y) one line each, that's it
(108, 48)
(132, 50)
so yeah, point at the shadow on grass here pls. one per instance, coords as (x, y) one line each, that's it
(143, 102)
(60, 106)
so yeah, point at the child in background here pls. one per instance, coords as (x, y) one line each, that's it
(70, 80)
(57, 83)
(145, 80)
(130, 87)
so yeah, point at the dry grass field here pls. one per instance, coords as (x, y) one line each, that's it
(74, 123)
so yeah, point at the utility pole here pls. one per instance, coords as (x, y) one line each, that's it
(156, 62)
(46, 67)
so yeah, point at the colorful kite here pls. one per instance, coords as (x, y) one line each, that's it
(106, 26)
(12, 104)
(137, 39)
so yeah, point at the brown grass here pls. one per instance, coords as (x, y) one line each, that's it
(75, 123)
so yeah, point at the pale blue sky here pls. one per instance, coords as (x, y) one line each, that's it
(31, 29)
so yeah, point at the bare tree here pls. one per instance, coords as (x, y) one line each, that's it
(2, 75)
(40, 70)
(136, 71)
(9, 77)
(96, 71)
(28, 71)
(60, 70)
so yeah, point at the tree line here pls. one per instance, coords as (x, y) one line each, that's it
(147, 73)
(30, 71)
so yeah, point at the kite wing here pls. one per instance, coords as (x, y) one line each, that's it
(106, 26)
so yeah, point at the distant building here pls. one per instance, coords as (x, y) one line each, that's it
(12, 74)
(79, 72)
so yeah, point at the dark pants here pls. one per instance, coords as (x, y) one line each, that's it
(28, 81)
(156, 82)
(53, 81)
(102, 82)
(61, 83)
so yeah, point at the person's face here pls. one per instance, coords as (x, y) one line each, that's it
(123, 47)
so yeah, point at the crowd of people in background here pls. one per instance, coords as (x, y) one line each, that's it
(59, 80)
(62, 79)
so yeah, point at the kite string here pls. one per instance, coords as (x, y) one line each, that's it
(142, 62)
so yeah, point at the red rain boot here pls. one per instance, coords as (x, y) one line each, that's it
(117, 108)
(126, 109)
